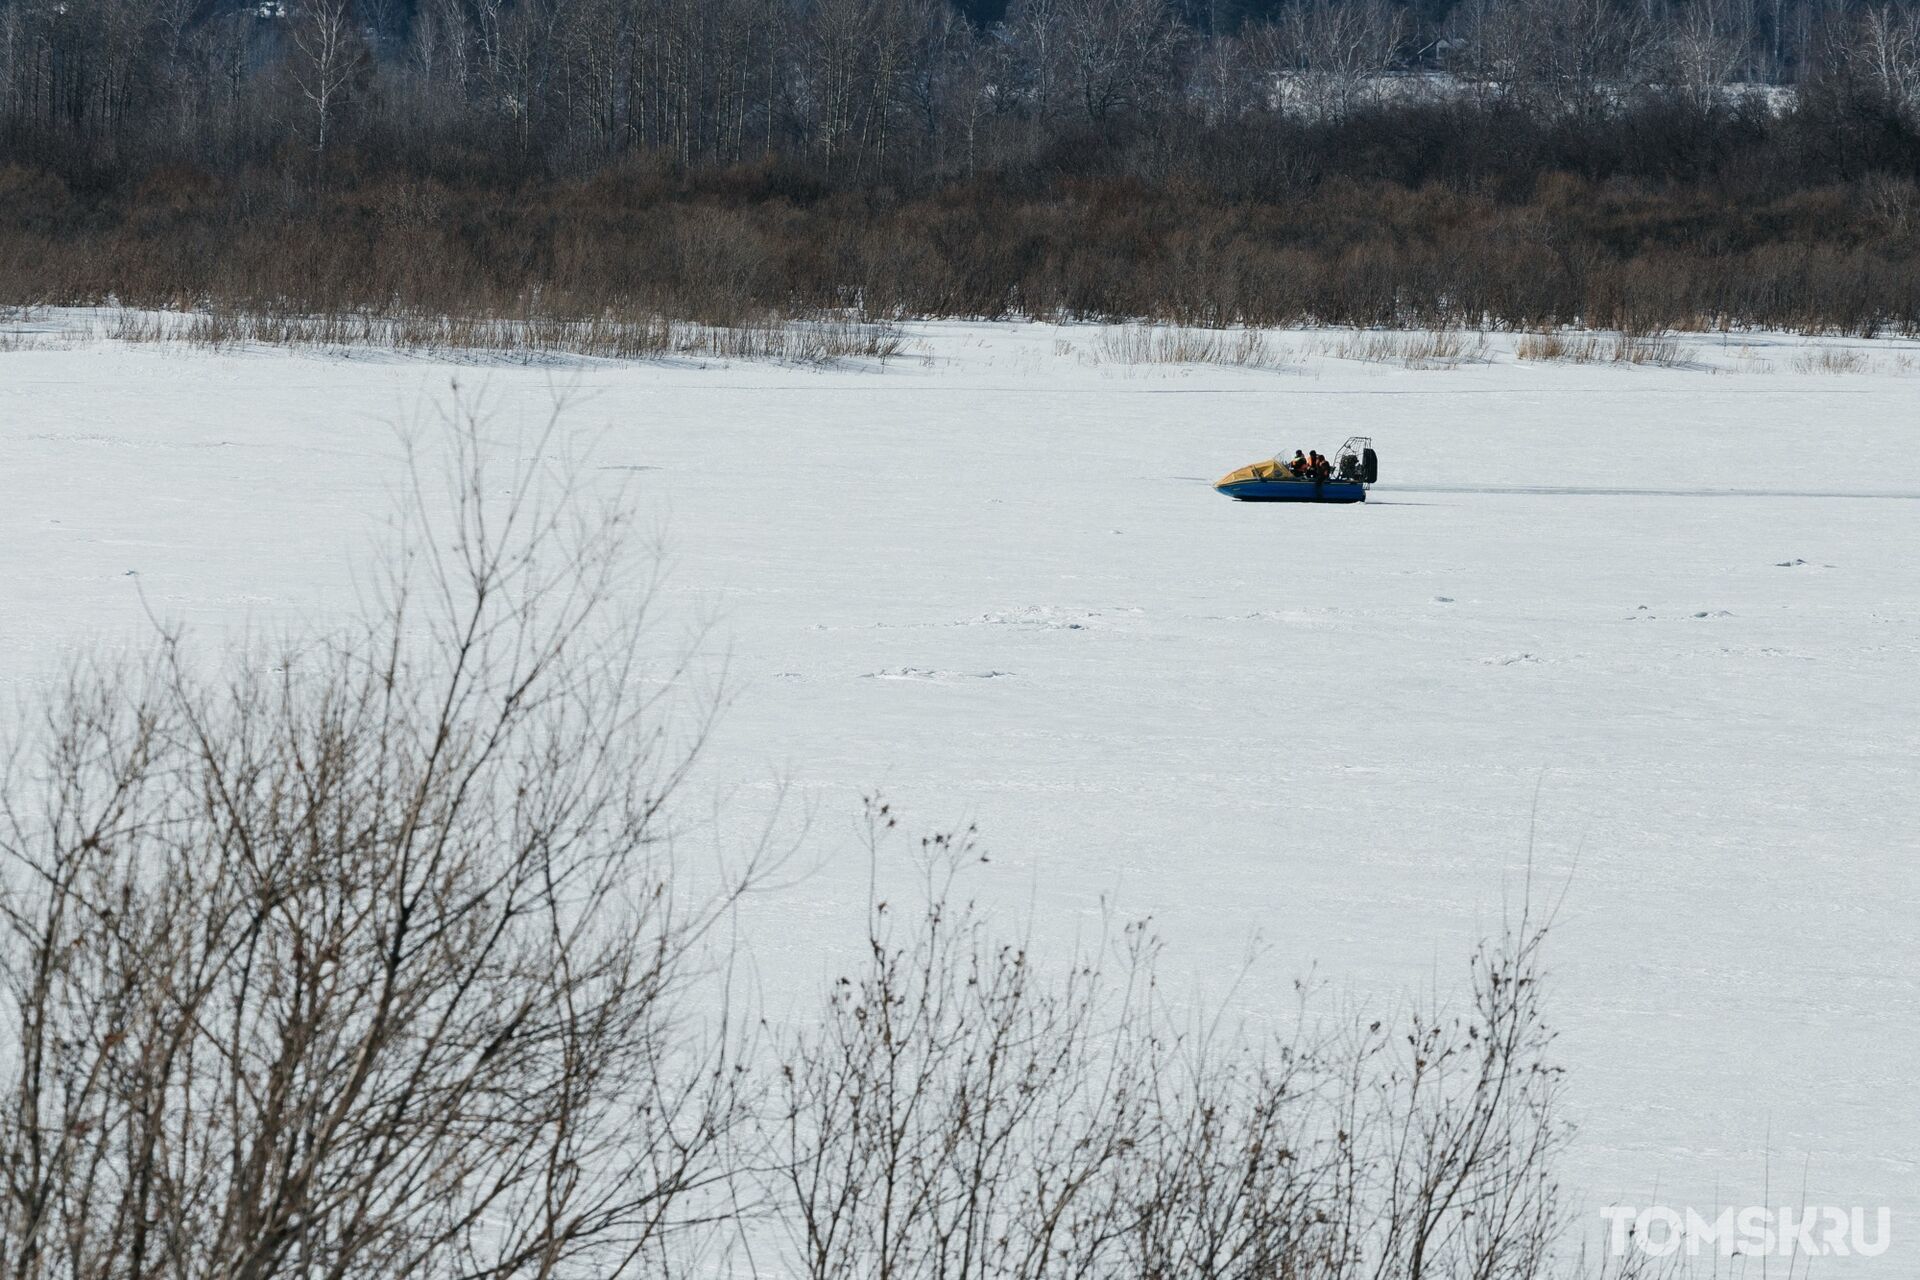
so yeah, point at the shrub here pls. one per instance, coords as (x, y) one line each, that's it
(964, 1108)
(365, 956)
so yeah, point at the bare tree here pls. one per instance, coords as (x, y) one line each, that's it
(859, 66)
(369, 959)
(1336, 53)
(331, 58)
(1704, 45)
(1122, 56)
(1884, 50)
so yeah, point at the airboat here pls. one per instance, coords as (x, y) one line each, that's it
(1353, 468)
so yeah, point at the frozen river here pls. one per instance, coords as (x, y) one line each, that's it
(1661, 626)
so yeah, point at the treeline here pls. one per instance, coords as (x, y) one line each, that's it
(1521, 162)
(629, 247)
(901, 92)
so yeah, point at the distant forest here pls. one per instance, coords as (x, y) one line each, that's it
(1620, 163)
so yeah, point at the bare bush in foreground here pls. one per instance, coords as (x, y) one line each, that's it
(963, 1110)
(370, 961)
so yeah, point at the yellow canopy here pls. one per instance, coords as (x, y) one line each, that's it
(1271, 469)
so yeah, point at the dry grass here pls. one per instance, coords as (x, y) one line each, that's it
(1831, 360)
(607, 336)
(1749, 360)
(1556, 345)
(24, 329)
(1667, 350)
(1659, 349)
(1418, 349)
(1844, 360)
(832, 337)
(1142, 344)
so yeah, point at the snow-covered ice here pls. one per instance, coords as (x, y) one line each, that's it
(1659, 625)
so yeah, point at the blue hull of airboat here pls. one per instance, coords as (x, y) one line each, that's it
(1294, 490)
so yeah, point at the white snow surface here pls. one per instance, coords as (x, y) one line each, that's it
(1658, 626)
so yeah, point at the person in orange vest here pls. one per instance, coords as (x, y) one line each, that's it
(1299, 463)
